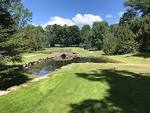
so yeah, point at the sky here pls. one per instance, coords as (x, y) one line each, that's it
(74, 12)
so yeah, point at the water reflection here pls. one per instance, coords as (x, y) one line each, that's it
(45, 68)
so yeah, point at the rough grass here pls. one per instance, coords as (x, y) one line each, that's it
(85, 88)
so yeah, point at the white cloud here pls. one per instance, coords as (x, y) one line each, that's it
(79, 20)
(120, 14)
(109, 16)
(34, 24)
(59, 21)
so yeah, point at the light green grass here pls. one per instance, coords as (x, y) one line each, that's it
(29, 57)
(61, 49)
(77, 50)
(129, 58)
(85, 88)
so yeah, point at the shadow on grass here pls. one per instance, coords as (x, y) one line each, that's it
(144, 55)
(11, 76)
(129, 93)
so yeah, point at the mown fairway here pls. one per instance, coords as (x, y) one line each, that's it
(85, 88)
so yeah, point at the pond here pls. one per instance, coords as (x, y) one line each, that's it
(51, 65)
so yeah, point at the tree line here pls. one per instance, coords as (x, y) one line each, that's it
(130, 35)
(13, 17)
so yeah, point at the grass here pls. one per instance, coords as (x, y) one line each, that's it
(61, 49)
(19, 77)
(85, 88)
(131, 58)
(77, 50)
(29, 57)
(128, 58)
(12, 76)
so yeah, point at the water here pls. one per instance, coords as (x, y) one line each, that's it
(45, 68)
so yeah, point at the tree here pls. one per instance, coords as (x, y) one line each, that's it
(50, 37)
(63, 35)
(54, 34)
(73, 35)
(144, 34)
(110, 44)
(142, 6)
(8, 51)
(8, 26)
(128, 16)
(30, 38)
(99, 33)
(141, 28)
(140, 24)
(6, 30)
(86, 37)
(18, 12)
(125, 40)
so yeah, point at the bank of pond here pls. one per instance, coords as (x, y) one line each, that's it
(44, 67)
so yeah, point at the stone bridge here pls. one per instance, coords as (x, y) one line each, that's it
(63, 55)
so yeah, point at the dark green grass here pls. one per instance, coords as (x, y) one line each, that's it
(12, 76)
(85, 88)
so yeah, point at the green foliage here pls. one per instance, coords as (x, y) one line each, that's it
(63, 35)
(86, 37)
(100, 30)
(141, 28)
(127, 16)
(6, 30)
(93, 37)
(11, 19)
(139, 5)
(74, 35)
(110, 44)
(18, 12)
(53, 33)
(125, 40)
(30, 38)
(12, 75)
(140, 24)
(85, 88)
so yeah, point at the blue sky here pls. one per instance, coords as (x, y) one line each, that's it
(77, 12)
